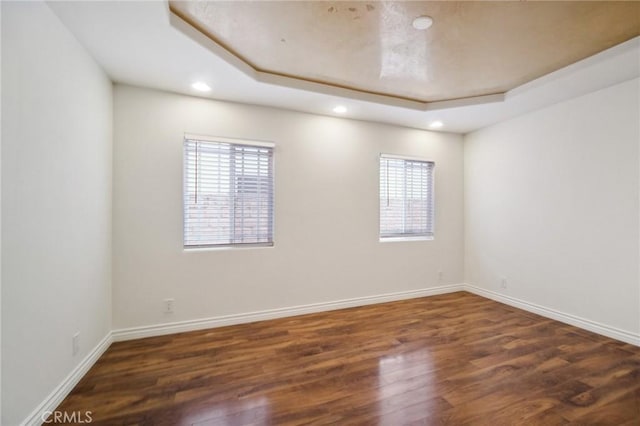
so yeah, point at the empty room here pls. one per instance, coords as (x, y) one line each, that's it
(320, 213)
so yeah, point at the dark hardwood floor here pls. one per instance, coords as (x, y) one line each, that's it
(453, 359)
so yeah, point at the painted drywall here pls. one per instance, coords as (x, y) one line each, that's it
(326, 212)
(56, 205)
(551, 205)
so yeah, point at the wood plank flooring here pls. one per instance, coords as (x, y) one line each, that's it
(454, 359)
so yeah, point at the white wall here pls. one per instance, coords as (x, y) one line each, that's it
(326, 212)
(551, 203)
(56, 208)
(0, 221)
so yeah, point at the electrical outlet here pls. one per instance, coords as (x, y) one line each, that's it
(75, 344)
(439, 276)
(168, 306)
(503, 283)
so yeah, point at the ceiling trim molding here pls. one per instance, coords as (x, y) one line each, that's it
(196, 34)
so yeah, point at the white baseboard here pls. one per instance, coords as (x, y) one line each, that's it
(221, 321)
(66, 386)
(596, 327)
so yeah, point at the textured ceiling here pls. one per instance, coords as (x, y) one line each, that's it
(472, 49)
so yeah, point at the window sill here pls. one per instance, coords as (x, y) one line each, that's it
(396, 239)
(227, 247)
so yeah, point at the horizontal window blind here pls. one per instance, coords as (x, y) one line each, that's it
(228, 193)
(406, 197)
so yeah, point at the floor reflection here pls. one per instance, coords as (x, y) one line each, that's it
(252, 411)
(406, 389)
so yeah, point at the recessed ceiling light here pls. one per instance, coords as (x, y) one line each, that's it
(422, 22)
(340, 109)
(436, 124)
(201, 87)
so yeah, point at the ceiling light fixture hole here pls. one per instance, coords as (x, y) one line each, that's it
(201, 86)
(422, 22)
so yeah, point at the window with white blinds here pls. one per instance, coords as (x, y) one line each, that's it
(406, 197)
(228, 192)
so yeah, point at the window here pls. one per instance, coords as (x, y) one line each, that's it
(406, 197)
(228, 192)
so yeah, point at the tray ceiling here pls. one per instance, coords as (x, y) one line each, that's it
(472, 49)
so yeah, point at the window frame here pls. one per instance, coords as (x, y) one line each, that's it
(231, 141)
(429, 235)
